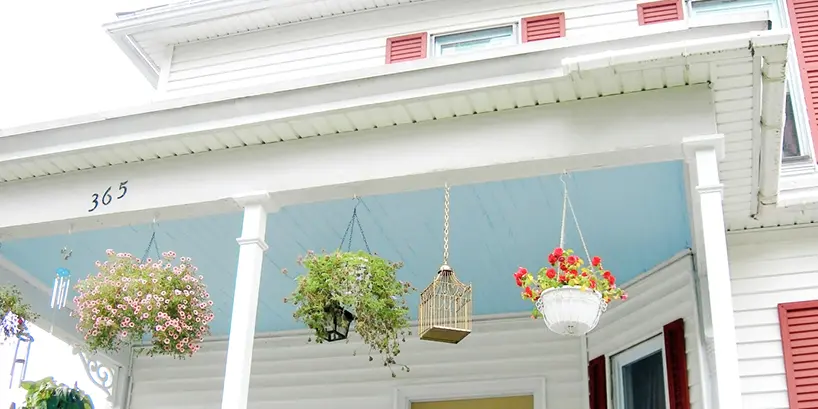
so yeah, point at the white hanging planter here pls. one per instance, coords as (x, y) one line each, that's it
(571, 310)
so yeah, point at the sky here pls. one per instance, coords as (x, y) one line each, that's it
(46, 350)
(56, 61)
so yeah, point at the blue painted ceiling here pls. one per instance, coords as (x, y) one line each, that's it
(634, 217)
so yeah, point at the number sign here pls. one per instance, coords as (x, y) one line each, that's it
(106, 197)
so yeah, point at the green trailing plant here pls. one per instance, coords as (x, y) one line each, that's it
(48, 394)
(365, 285)
(14, 313)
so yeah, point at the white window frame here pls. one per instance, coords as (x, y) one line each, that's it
(436, 49)
(630, 355)
(471, 389)
(780, 18)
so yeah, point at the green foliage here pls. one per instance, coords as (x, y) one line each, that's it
(364, 284)
(47, 394)
(14, 313)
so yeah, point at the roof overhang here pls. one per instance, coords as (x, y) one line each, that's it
(144, 35)
(417, 81)
(381, 110)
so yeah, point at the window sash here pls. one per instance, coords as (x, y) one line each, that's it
(474, 40)
(631, 355)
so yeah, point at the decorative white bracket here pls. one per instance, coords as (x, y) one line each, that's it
(102, 376)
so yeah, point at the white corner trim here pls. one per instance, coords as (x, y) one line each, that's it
(491, 388)
(693, 144)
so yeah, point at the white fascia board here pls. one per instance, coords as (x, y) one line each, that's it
(612, 131)
(390, 83)
(181, 14)
(60, 322)
(137, 57)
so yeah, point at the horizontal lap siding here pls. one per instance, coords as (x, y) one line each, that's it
(659, 299)
(359, 41)
(288, 373)
(768, 268)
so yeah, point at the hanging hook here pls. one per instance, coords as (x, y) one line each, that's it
(562, 178)
(70, 229)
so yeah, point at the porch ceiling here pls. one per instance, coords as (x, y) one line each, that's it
(635, 217)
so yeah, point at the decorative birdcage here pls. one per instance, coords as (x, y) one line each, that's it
(445, 310)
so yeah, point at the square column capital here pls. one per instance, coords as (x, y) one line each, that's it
(264, 199)
(693, 144)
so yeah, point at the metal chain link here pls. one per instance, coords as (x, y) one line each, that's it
(446, 225)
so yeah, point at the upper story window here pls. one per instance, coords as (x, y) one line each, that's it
(422, 45)
(797, 145)
(457, 43)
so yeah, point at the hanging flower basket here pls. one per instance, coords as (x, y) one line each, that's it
(344, 286)
(569, 295)
(14, 313)
(129, 300)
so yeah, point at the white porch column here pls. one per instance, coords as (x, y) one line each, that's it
(245, 301)
(703, 155)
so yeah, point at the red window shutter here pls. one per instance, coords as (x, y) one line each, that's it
(659, 11)
(406, 48)
(799, 337)
(804, 22)
(597, 383)
(543, 27)
(676, 362)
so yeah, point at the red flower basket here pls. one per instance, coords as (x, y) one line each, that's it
(569, 295)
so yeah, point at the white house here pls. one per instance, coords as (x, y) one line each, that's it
(687, 129)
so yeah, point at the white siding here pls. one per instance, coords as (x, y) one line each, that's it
(768, 267)
(656, 300)
(358, 41)
(287, 372)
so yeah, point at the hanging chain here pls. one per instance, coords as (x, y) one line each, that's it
(566, 205)
(446, 225)
(350, 230)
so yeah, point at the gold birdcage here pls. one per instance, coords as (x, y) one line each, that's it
(444, 314)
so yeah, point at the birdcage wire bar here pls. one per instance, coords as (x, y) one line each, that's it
(445, 309)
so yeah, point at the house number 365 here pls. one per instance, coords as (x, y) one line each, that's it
(107, 197)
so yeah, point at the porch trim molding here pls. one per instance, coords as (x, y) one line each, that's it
(479, 389)
(518, 143)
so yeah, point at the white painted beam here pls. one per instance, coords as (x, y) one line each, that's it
(611, 131)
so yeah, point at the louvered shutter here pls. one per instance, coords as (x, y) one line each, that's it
(406, 48)
(804, 22)
(545, 27)
(799, 338)
(676, 363)
(660, 11)
(597, 383)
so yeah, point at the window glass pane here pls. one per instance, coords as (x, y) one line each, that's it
(643, 383)
(474, 40)
(789, 144)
